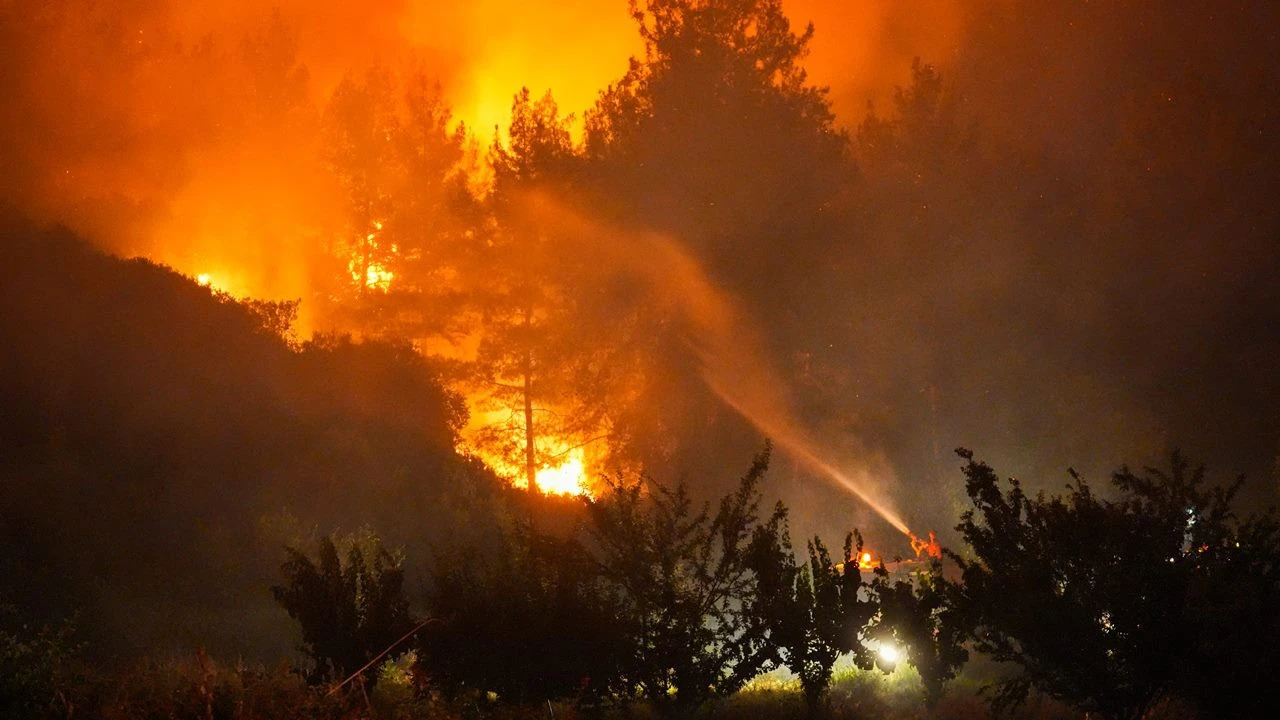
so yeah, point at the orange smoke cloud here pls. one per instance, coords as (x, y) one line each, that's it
(573, 47)
(187, 132)
(862, 49)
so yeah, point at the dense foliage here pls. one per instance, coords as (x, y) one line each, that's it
(526, 616)
(814, 611)
(686, 590)
(350, 609)
(1117, 605)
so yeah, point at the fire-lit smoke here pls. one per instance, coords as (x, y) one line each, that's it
(188, 132)
(862, 49)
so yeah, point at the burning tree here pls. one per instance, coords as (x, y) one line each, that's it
(401, 174)
(361, 123)
(527, 305)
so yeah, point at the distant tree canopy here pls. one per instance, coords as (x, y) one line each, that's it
(401, 172)
(721, 93)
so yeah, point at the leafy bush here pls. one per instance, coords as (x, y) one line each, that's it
(1116, 606)
(684, 588)
(814, 611)
(349, 611)
(921, 616)
(528, 619)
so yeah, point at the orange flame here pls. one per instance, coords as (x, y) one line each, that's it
(564, 472)
(928, 547)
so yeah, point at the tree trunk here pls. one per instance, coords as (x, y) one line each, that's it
(530, 461)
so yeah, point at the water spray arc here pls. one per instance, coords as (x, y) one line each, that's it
(734, 364)
(737, 370)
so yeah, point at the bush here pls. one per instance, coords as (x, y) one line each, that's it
(528, 619)
(684, 588)
(349, 611)
(1117, 606)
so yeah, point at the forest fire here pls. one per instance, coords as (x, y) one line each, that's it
(565, 475)
(216, 282)
(376, 277)
(560, 467)
(569, 477)
(446, 329)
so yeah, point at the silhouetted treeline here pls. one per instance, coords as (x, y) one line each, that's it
(1157, 603)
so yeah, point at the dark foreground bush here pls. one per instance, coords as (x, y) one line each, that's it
(33, 663)
(350, 609)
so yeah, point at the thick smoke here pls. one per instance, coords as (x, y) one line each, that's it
(187, 132)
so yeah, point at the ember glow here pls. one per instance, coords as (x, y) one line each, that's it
(568, 477)
(376, 277)
(565, 475)
(926, 547)
(562, 467)
(222, 282)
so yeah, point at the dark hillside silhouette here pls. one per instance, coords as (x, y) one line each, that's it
(162, 445)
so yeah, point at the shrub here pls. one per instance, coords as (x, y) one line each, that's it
(349, 611)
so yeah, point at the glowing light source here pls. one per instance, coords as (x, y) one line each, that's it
(564, 467)
(377, 277)
(203, 279)
(567, 478)
(889, 653)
